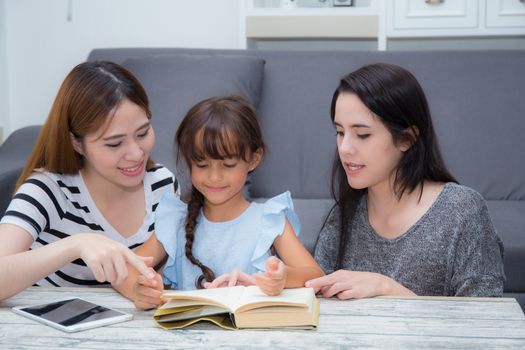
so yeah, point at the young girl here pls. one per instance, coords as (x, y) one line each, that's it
(89, 188)
(219, 232)
(401, 224)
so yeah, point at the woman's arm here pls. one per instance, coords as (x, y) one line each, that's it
(345, 284)
(478, 262)
(20, 267)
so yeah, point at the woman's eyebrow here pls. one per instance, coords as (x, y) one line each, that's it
(357, 125)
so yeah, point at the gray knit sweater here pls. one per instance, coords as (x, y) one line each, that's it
(452, 250)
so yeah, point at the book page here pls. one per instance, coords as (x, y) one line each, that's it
(191, 313)
(225, 297)
(253, 298)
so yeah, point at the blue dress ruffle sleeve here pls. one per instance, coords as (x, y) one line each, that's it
(169, 220)
(275, 211)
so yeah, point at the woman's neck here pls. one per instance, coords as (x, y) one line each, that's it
(383, 199)
(105, 193)
(391, 215)
(123, 208)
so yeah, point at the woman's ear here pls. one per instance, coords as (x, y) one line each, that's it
(256, 158)
(411, 135)
(77, 145)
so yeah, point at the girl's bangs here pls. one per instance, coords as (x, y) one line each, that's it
(217, 143)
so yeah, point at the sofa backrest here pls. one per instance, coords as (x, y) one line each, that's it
(476, 99)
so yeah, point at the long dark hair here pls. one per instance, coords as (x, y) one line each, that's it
(217, 128)
(394, 95)
(84, 104)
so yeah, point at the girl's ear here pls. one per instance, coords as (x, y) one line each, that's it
(77, 145)
(411, 135)
(256, 158)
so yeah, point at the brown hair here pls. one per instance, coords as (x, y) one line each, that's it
(84, 103)
(217, 128)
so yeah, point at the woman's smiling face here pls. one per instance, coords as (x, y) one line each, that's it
(119, 155)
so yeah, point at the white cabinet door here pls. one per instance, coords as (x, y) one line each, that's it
(505, 13)
(435, 14)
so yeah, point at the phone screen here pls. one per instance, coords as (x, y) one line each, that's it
(71, 312)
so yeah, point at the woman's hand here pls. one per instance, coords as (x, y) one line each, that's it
(272, 281)
(234, 278)
(107, 258)
(147, 292)
(345, 284)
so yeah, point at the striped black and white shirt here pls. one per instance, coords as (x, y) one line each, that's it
(52, 206)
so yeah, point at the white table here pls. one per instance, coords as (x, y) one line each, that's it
(376, 323)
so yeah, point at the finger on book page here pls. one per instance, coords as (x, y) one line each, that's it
(218, 282)
(234, 276)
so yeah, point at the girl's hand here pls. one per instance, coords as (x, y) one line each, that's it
(272, 281)
(107, 258)
(345, 284)
(147, 292)
(234, 278)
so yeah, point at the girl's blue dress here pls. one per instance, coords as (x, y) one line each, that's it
(243, 243)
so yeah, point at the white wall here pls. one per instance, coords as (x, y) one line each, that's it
(43, 45)
(4, 106)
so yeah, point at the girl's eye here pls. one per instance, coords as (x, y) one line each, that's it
(230, 165)
(201, 165)
(363, 136)
(113, 145)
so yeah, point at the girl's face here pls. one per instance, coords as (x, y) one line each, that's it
(366, 147)
(119, 155)
(221, 181)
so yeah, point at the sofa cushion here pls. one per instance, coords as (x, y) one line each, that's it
(176, 82)
(477, 112)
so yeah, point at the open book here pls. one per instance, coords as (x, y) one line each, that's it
(240, 307)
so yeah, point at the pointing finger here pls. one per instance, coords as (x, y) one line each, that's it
(138, 263)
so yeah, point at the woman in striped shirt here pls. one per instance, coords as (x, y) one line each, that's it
(88, 192)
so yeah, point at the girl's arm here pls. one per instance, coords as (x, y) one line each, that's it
(300, 266)
(20, 267)
(145, 292)
(297, 265)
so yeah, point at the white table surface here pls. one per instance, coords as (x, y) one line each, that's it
(375, 323)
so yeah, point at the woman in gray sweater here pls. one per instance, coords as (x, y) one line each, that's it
(401, 224)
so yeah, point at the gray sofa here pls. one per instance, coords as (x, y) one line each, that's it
(476, 98)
